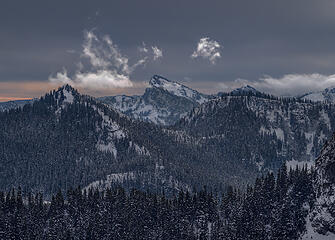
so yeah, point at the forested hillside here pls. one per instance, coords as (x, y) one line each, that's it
(261, 129)
(67, 139)
(273, 208)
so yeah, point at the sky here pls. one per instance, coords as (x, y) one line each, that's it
(113, 47)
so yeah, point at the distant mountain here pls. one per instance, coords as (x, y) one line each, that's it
(177, 89)
(13, 104)
(244, 90)
(327, 95)
(320, 223)
(164, 102)
(261, 131)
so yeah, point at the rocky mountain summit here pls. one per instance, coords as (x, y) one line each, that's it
(164, 102)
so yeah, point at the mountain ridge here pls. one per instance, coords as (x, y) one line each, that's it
(327, 95)
(163, 103)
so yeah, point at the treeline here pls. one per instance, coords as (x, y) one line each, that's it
(274, 208)
(285, 100)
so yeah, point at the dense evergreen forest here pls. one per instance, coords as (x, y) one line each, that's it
(275, 207)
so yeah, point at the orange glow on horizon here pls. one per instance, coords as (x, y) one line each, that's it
(7, 99)
(10, 91)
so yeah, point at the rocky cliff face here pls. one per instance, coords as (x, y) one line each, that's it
(321, 220)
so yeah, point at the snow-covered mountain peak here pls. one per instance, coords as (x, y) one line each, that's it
(65, 94)
(330, 90)
(326, 95)
(159, 81)
(244, 89)
(164, 102)
(177, 89)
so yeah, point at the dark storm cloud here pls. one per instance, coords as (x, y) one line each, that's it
(39, 38)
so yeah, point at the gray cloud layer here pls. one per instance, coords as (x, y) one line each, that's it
(287, 85)
(260, 37)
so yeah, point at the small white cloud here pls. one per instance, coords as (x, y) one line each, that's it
(207, 49)
(94, 51)
(143, 48)
(158, 53)
(61, 77)
(287, 85)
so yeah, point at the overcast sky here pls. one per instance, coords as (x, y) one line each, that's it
(115, 46)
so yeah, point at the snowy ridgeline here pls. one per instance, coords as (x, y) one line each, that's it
(177, 89)
(115, 178)
(327, 95)
(292, 122)
(113, 129)
(155, 179)
(163, 103)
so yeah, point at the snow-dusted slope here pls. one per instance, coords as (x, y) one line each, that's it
(321, 220)
(164, 102)
(82, 141)
(326, 95)
(110, 131)
(177, 89)
(299, 128)
(244, 90)
(13, 104)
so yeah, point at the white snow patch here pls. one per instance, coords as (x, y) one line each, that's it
(279, 133)
(68, 96)
(177, 89)
(159, 167)
(310, 138)
(110, 179)
(140, 150)
(322, 137)
(209, 230)
(315, 97)
(115, 129)
(109, 147)
(326, 119)
(311, 234)
(263, 130)
(294, 163)
(260, 165)
(271, 116)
